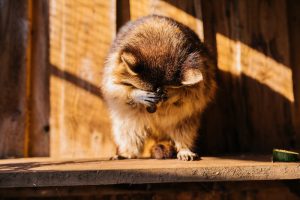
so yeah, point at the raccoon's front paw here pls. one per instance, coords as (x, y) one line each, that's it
(144, 97)
(187, 155)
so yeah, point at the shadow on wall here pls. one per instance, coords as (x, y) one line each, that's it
(78, 82)
(240, 121)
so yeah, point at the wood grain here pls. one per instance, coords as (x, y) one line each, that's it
(293, 7)
(40, 172)
(80, 35)
(253, 111)
(263, 190)
(122, 12)
(14, 29)
(39, 127)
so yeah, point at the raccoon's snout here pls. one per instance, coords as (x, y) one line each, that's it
(151, 109)
(162, 94)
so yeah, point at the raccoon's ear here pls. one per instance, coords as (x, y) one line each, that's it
(191, 73)
(130, 62)
(191, 76)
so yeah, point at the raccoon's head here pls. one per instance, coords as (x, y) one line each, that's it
(154, 69)
(158, 52)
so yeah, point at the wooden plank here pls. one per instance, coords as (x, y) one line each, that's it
(293, 7)
(253, 111)
(177, 191)
(186, 12)
(39, 103)
(81, 33)
(14, 32)
(38, 172)
(122, 12)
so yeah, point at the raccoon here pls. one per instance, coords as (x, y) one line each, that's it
(157, 80)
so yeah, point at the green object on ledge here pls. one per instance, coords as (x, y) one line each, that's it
(280, 155)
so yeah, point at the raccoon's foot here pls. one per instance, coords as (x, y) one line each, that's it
(187, 155)
(163, 150)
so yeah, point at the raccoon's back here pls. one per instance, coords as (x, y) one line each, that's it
(153, 32)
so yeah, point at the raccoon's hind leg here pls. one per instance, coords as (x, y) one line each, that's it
(129, 137)
(163, 150)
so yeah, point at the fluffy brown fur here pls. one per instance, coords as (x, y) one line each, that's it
(158, 79)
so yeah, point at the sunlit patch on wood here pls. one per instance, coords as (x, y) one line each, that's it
(238, 58)
(80, 35)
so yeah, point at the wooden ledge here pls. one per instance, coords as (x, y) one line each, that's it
(38, 172)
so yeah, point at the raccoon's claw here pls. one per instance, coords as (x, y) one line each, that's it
(152, 100)
(144, 97)
(187, 155)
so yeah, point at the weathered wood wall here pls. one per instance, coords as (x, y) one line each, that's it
(293, 7)
(14, 27)
(50, 73)
(39, 105)
(80, 35)
(254, 109)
